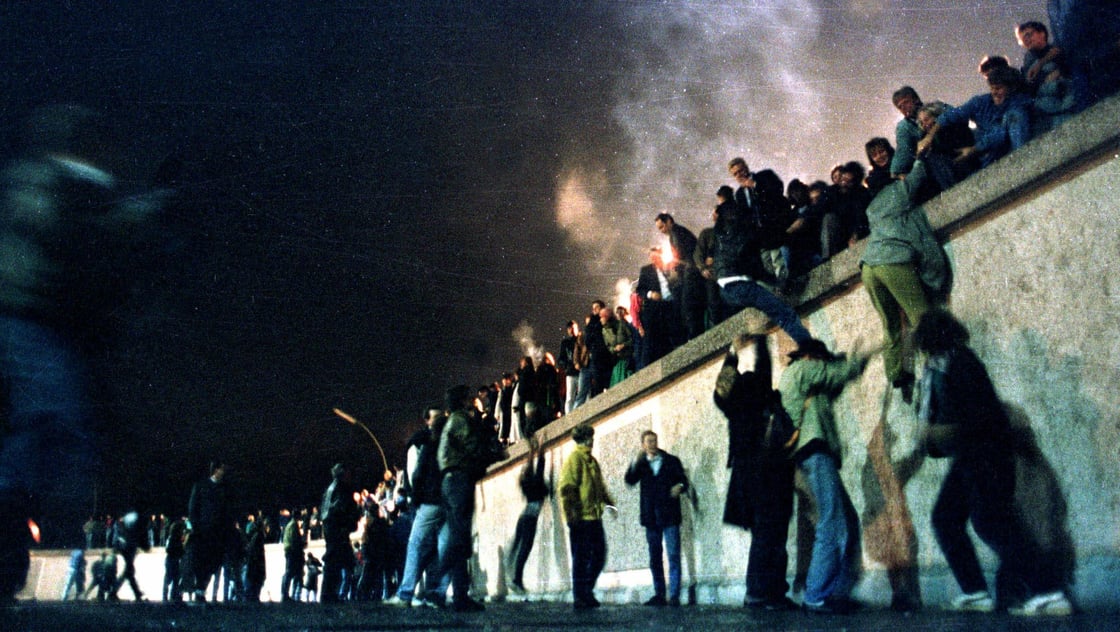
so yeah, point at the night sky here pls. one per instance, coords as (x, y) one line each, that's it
(379, 200)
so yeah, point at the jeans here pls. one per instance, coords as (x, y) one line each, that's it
(739, 294)
(422, 550)
(48, 448)
(834, 569)
(523, 537)
(571, 382)
(585, 375)
(172, 572)
(589, 555)
(672, 537)
(292, 581)
(458, 507)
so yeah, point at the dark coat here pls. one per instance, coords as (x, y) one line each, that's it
(759, 480)
(659, 508)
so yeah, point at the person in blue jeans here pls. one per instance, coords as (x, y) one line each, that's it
(662, 481)
(814, 378)
(423, 540)
(736, 252)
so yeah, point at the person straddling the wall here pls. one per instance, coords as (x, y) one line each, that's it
(964, 420)
(814, 378)
(662, 481)
(583, 498)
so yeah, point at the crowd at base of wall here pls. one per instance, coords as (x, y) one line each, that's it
(1093, 590)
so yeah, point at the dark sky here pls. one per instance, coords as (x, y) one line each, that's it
(383, 199)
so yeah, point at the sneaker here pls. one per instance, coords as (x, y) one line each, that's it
(1053, 604)
(656, 601)
(831, 605)
(396, 600)
(517, 588)
(674, 602)
(979, 601)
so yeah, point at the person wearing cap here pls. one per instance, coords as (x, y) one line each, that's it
(814, 378)
(583, 498)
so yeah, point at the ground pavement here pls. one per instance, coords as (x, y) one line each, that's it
(275, 617)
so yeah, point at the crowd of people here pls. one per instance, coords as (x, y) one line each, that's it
(765, 236)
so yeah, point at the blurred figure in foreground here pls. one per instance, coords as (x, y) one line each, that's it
(66, 233)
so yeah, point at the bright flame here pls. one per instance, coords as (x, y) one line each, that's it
(34, 528)
(666, 252)
(346, 416)
(622, 292)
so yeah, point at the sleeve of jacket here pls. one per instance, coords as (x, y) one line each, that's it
(639, 467)
(568, 489)
(677, 475)
(835, 375)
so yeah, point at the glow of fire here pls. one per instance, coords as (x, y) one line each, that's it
(33, 527)
(666, 252)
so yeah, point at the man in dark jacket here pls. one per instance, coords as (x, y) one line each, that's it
(211, 523)
(340, 517)
(760, 490)
(463, 455)
(662, 480)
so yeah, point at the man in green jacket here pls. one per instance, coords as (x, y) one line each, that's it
(814, 378)
(584, 497)
(463, 455)
(903, 268)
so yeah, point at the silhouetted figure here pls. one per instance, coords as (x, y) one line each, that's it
(66, 237)
(340, 516)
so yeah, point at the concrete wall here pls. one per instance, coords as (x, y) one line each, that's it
(48, 573)
(1035, 248)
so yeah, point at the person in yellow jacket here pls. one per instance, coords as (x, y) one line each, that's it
(583, 498)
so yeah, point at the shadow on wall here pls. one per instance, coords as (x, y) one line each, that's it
(888, 525)
(692, 515)
(1041, 506)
